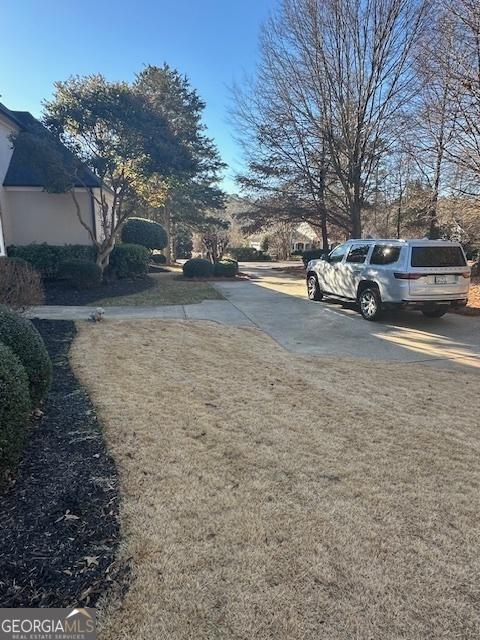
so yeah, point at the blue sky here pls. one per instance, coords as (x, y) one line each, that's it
(214, 42)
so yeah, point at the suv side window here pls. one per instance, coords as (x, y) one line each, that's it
(358, 253)
(337, 254)
(385, 254)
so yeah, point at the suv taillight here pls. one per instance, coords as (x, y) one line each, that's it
(466, 274)
(408, 276)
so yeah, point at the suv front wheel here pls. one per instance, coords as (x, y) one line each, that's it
(313, 288)
(370, 304)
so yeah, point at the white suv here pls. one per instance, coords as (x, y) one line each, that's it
(431, 275)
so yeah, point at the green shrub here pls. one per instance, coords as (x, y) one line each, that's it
(20, 335)
(145, 232)
(47, 258)
(159, 258)
(312, 254)
(20, 285)
(248, 254)
(129, 261)
(81, 274)
(226, 268)
(14, 407)
(198, 268)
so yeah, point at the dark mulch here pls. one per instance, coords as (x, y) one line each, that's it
(59, 525)
(58, 293)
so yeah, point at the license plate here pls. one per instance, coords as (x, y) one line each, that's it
(441, 280)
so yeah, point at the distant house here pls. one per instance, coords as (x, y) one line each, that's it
(27, 212)
(304, 238)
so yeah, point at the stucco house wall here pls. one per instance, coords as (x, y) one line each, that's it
(33, 215)
(36, 216)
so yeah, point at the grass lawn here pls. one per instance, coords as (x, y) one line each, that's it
(270, 495)
(169, 288)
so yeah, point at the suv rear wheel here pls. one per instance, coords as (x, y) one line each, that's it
(370, 304)
(438, 312)
(313, 288)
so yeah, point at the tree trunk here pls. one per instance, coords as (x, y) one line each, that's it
(168, 229)
(324, 231)
(103, 254)
(434, 229)
(171, 242)
(356, 219)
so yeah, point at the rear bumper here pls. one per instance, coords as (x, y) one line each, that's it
(425, 304)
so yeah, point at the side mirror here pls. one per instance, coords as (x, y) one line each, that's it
(324, 257)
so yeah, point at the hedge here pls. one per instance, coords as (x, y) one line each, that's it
(81, 274)
(47, 258)
(248, 254)
(129, 261)
(312, 254)
(226, 268)
(198, 268)
(146, 233)
(159, 258)
(14, 408)
(20, 335)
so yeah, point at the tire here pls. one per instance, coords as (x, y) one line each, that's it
(435, 313)
(313, 288)
(370, 304)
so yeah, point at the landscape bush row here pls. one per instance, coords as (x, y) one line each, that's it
(201, 268)
(25, 378)
(76, 264)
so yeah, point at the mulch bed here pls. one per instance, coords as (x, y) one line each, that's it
(59, 527)
(57, 293)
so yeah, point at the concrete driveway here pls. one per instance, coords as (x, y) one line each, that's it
(276, 303)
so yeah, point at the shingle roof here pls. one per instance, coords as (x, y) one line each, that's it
(21, 173)
(9, 114)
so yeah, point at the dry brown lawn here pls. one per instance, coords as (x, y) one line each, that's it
(269, 495)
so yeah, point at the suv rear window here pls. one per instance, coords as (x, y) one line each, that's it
(429, 256)
(385, 254)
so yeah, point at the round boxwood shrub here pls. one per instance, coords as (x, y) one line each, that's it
(14, 407)
(23, 339)
(226, 268)
(159, 258)
(129, 261)
(81, 274)
(145, 232)
(198, 268)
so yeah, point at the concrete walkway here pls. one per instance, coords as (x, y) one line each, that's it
(276, 303)
(216, 310)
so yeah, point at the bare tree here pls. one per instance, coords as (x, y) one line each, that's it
(461, 60)
(430, 117)
(342, 70)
